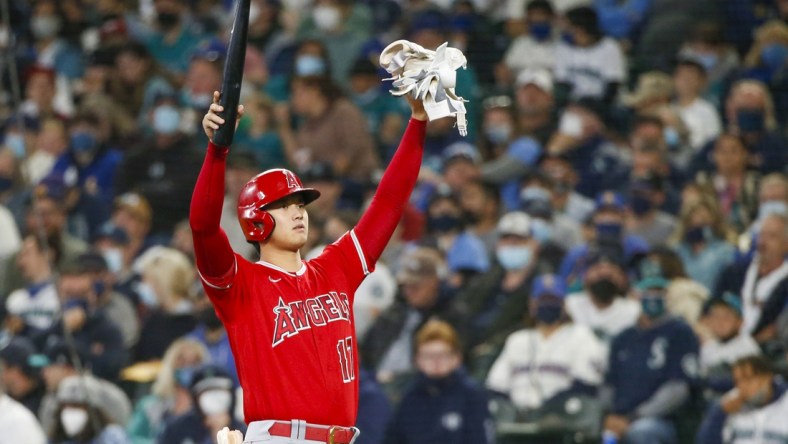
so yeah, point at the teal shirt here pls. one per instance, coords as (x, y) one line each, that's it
(267, 148)
(705, 266)
(175, 56)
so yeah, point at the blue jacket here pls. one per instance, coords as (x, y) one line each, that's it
(453, 410)
(374, 411)
(710, 431)
(189, 428)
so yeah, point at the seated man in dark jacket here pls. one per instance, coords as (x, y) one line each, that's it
(444, 405)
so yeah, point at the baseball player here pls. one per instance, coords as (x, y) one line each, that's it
(290, 321)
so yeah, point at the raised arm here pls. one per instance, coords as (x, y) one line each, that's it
(379, 221)
(212, 250)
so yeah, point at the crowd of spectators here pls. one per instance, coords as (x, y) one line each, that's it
(613, 231)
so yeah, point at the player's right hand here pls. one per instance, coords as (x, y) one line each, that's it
(212, 120)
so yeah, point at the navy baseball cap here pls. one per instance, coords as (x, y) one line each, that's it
(18, 354)
(112, 232)
(548, 285)
(610, 200)
(730, 300)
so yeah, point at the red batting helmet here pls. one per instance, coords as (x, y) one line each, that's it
(264, 189)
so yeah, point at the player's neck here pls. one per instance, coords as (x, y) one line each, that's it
(286, 259)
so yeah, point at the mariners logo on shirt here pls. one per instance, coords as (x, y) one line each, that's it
(294, 317)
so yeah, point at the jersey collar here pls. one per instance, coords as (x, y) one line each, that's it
(300, 271)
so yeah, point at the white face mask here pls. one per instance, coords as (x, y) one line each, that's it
(215, 401)
(114, 258)
(326, 17)
(74, 420)
(147, 295)
(44, 26)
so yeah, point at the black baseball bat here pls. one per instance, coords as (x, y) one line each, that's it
(233, 74)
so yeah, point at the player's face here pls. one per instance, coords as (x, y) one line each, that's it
(436, 359)
(292, 222)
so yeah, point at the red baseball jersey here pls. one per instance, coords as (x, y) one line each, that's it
(293, 335)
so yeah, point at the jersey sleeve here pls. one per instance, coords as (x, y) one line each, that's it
(588, 364)
(216, 263)
(500, 376)
(346, 256)
(378, 223)
(682, 360)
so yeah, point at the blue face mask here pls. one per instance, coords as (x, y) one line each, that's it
(548, 313)
(498, 134)
(652, 306)
(442, 224)
(750, 121)
(568, 38)
(83, 142)
(774, 55)
(772, 207)
(708, 61)
(609, 230)
(672, 138)
(541, 230)
(309, 65)
(640, 204)
(698, 235)
(183, 376)
(5, 184)
(540, 31)
(16, 143)
(513, 257)
(166, 120)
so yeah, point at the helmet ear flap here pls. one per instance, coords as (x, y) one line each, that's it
(269, 223)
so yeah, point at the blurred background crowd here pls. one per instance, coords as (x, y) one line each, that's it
(604, 252)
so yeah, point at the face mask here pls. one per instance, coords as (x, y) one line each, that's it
(534, 193)
(609, 230)
(183, 376)
(442, 224)
(16, 143)
(199, 101)
(213, 402)
(652, 306)
(5, 184)
(209, 319)
(83, 142)
(254, 12)
(772, 207)
(147, 295)
(513, 258)
(45, 27)
(540, 31)
(99, 287)
(774, 55)
(698, 235)
(326, 17)
(541, 230)
(310, 65)
(168, 20)
(750, 121)
(759, 399)
(498, 134)
(366, 97)
(708, 61)
(74, 420)
(672, 138)
(548, 313)
(114, 259)
(568, 38)
(166, 120)
(640, 205)
(603, 290)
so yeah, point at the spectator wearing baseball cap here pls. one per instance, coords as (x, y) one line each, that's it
(602, 305)
(85, 413)
(20, 377)
(562, 358)
(551, 228)
(19, 425)
(213, 404)
(387, 346)
(728, 342)
(59, 363)
(645, 218)
(608, 222)
(132, 213)
(535, 104)
(498, 299)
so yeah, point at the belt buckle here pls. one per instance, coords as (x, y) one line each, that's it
(331, 434)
